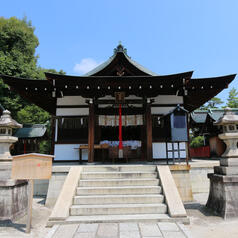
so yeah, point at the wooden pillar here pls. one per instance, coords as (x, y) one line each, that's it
(143, 140)
(188, 158)
(52, 136)
(148, 126)
(91, 128)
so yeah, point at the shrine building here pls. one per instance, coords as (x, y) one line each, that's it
(119, 106)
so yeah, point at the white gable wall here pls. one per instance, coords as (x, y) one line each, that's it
(162, 100)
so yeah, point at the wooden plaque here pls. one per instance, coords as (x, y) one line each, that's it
(120, 97)
(32, 166)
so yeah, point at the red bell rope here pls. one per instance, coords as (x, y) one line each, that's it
(120, 129)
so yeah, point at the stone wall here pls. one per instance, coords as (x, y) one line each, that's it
(56, 182)
(13, 199)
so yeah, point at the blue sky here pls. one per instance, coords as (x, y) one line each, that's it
(165, 36)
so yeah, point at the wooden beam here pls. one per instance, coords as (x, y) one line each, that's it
(127, 101)
(125, 111)
(148, 126)
(91, 128)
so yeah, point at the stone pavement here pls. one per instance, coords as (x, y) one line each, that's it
(120, 230)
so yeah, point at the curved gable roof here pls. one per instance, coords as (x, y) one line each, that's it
(120, 54)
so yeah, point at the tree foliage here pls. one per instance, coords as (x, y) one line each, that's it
(18, 58)
(213, 103)
(232, 100)
(31, 114)
(197, 141)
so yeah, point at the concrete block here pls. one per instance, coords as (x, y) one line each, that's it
(128, 227)
(118, 182)
(85, 235)
(116, 209)
(130, 234)
(149, 229)
(65, 231)
(118, 190)
(128, 175)
(168, 226)
(118, 199)
(229, 161)
(183, 184)
(223, 196)
(173, 234)
(120, 168)
(108, 230)
(226, 170)
(88, 228)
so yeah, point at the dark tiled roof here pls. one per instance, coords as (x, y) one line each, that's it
(120, 49)
(200, 116)
(31, 131)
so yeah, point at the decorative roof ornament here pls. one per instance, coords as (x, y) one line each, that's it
(7, 121)
(120, 48)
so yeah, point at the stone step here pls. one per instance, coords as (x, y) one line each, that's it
(118, 199)
(118, 190)
(116, 209)
(119, 168)
(128, 175)
(119, 218)
(118, 182)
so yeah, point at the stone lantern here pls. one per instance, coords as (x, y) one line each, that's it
(13, 193)
(223, 197)
(6, 138)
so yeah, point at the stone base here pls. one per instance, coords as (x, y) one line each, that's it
(229, 161)
(225, 170)
(13, 199)
(223, 196)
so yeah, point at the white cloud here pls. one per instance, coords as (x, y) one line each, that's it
(85, 65)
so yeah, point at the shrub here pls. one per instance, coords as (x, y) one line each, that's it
(197, 142)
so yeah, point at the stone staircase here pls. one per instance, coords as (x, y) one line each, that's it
(118, 193)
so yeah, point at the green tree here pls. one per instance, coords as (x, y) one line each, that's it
(18, 58)
(212, 103)
(32, 114)
(232, 100)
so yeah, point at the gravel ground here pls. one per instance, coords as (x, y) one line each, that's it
(204, 224)
(16, 229)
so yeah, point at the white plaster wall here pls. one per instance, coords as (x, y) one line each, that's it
(71, 100)
(69, 152)
(161, 110)
(113, 98)
(168, 99)
(72, 111)
(159, 150)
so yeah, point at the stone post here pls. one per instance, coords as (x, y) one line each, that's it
(13, 193)
(6, 138)
(223, 196)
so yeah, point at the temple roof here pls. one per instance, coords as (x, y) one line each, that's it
(119, 53)
(200, 116)
(229, 117)
(31, 131)
(119, 73)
